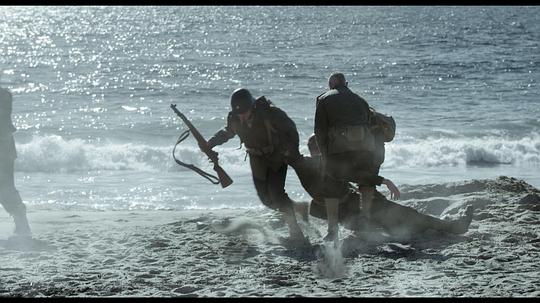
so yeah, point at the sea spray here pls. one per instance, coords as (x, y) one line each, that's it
(330, 263)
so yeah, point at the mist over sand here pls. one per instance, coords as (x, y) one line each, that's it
(234, 253)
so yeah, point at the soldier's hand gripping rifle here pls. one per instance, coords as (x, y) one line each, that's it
(222, 177)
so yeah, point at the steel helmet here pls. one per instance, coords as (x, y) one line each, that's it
(241, 100)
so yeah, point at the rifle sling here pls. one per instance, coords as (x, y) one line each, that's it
(209, 177)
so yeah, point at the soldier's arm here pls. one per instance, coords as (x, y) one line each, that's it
(286, 129)
(285, 125)
(224, 134)
(378, 180)
(321, 129)
(394, 191)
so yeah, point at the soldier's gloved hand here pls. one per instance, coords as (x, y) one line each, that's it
(213, 155)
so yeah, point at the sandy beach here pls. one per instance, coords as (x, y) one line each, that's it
(235, 252)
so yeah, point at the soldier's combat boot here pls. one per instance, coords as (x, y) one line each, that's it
(296, 236)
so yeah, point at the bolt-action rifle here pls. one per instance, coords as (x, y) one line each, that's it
(222, 177)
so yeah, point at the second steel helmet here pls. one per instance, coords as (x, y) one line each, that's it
(241, 100)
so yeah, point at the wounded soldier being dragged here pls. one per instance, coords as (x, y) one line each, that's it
(397, 220)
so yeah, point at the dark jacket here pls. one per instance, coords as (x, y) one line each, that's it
(272, 135)
(338, 110)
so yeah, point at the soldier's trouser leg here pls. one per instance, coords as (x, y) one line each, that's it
(366, 200)
(403, 221)
(458, 226)
(334, 189)
(10, 197)
(308, 174)
(332, 212)
(295, 232)
(302, 208)
(272, 193)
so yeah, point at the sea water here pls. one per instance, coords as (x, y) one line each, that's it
(92, 90)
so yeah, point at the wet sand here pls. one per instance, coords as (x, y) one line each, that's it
(235, 253)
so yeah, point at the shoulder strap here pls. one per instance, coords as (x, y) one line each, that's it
(209, 177)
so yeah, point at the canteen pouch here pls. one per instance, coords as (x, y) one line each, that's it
(351, 138)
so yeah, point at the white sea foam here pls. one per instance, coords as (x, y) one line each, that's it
(54, 153)
(463, 151)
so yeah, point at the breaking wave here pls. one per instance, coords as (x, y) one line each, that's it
(54, 153)
(487, 151)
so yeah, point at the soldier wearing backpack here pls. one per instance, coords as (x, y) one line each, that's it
(398, 220)
(342, 130)
(271, 140)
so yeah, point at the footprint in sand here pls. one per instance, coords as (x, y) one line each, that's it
(158, 243)
(186, 289)
(10, 269)
(108, 261)
(26, 244)
(99, 247)
(145, 276)
(148, 260)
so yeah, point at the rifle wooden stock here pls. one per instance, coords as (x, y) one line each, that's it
(224, 179)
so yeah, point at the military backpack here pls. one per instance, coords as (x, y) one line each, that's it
(386, 124)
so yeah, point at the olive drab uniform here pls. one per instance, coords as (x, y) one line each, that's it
(398, 220)
(9, 196)
(271, 140)
(342, 130)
